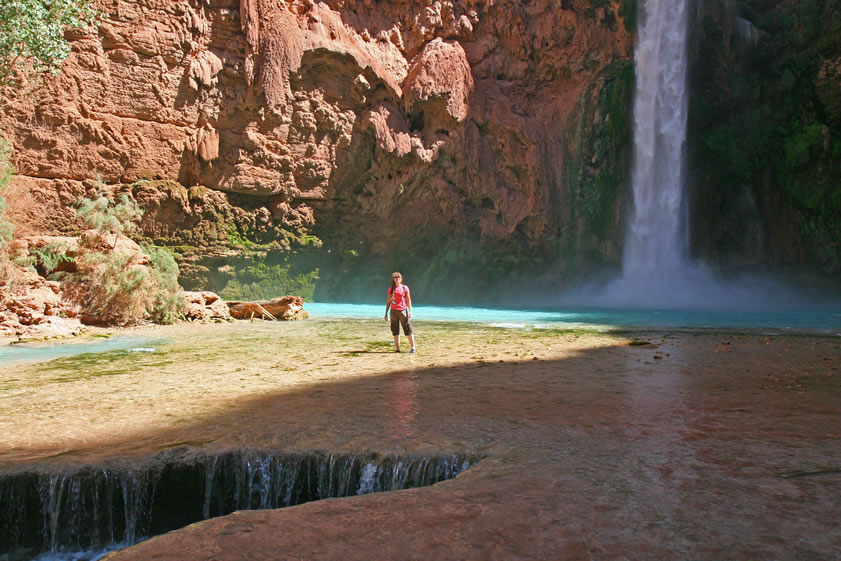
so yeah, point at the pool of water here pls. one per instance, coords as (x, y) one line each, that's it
(811, 320)
(36, 352)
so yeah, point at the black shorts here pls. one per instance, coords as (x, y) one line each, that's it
(398, 318)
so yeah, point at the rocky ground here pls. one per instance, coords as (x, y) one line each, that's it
(691, 446)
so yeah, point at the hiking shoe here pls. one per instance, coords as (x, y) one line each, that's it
(396, 350)
(413, 350)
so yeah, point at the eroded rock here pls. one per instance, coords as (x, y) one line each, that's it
(205, 305)
(342, 108)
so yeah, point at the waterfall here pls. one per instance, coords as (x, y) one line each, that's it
(656, 269)
(747, 30)
(656, 242)
(93, 509)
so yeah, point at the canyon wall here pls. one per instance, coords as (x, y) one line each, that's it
(462, 142)
(765, 127)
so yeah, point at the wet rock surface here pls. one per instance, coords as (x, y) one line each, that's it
(596, 449)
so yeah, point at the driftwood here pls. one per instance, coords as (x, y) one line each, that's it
(282, 308)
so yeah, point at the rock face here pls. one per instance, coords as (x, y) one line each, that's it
(765, 125)
(482, 124)
(32, 306)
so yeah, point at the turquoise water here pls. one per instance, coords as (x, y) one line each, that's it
(817, 320)
(821, 320)
(35, 352)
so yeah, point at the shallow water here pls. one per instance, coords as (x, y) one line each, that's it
(807, 320)
(86, 555)
(37, 352)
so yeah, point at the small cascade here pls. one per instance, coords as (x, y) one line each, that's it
(747, 30)
(99, 507)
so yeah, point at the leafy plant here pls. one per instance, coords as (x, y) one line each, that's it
(236, 238)
(121, 289)
(764, 129)
(167, 303)
(32, 33)
(6, 169)
(50, 258)
(116, 287)
(107, 216)
(124, 286)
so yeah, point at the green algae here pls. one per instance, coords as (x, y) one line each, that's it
(87, 366)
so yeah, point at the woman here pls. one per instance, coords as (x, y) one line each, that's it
(400, 301)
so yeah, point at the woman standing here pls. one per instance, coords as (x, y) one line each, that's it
(400, 302)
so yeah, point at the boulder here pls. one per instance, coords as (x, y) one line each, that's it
(204, 305)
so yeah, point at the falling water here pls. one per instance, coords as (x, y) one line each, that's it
(656, 243)
(656, 269)
(80, 514)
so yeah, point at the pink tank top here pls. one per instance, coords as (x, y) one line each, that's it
(398, 298)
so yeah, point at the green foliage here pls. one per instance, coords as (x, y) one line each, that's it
(121, 290)
(599, 160)
(167, 302)
(116, 286)
(236, 238)
(802, 145)
(32, 33)
(306, 240)
(6, 228)
(50, 258)
(263, 280)
(762, 125)
(125, 287)
(107, 216)
(628, 11)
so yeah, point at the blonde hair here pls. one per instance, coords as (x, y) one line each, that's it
(393, 280)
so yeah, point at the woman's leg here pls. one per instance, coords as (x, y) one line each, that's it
(407, 329)
(395, 328)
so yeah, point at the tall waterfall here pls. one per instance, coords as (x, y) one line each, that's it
(657, 271)
(656, 241)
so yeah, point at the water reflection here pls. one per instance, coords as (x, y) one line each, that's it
(403, 406)
(660, 416)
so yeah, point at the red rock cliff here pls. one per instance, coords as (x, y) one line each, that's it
(360, 120)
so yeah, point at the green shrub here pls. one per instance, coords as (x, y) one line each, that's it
(32, 33)
(110, 217)
(117, 287)
(6, 228)
(167, 304)
(125, 287)
(236, 238)
(51, 257)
